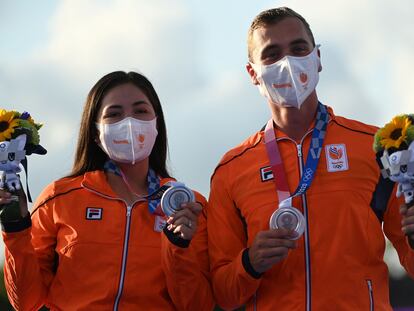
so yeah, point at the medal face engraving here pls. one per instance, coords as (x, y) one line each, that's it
(288, 218)
(173, 198)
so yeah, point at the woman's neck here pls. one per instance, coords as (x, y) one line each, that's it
(132, 183)
(135, 176)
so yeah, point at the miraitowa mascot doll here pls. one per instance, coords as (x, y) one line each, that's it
(19, 138)
(394, 145)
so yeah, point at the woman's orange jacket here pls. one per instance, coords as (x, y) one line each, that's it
(86, 251)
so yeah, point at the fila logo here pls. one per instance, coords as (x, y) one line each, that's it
(94, 213)
(266, 173)
(336, 158)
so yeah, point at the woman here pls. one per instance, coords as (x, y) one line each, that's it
(95, 240)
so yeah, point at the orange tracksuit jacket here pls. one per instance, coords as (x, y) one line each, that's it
(86, 250)
(338, 264)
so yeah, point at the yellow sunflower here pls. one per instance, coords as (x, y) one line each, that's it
(7, 124)
(395, 132)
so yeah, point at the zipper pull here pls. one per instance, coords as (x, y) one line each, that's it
(299, 147)
(369, 285)
(129, 208)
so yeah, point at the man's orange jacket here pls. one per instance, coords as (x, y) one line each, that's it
(338, 264)
(85, 251)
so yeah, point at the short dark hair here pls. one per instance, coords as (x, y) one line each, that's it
(89, 156)
(271, 17)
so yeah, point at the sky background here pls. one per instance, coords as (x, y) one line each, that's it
(194, 52)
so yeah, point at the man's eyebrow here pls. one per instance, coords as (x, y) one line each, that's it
(299, 41)
(270, 47)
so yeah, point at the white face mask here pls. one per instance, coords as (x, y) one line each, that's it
(129, 140)
(290, 80)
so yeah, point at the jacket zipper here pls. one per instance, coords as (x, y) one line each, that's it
(306, 237)
(371, 295)
(126, 243)
(305, 212)
(124, 257)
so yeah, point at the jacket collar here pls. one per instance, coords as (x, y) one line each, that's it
(97, 181)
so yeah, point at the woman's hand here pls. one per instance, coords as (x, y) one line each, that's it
(6, 198)
(184, 221)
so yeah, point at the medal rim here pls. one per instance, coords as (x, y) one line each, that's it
(166, 206)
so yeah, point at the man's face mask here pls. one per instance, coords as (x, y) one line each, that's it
(290, 80)
(129, 140)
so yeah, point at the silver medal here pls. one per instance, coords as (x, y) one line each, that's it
(288, 218)
(174, 196)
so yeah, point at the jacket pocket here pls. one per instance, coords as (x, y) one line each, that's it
(370, 295)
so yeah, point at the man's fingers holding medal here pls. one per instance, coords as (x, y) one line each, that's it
(407, 222)
(184, 221)
(270, 247)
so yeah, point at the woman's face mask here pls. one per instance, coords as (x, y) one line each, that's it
(289, 81)
(129, 140)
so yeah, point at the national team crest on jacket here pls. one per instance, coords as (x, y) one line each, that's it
(336, 158)
(94, 213)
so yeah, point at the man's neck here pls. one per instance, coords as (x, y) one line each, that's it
(295, 122)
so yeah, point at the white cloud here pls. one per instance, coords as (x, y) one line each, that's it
(89, 39)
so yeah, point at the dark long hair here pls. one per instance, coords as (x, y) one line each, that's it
(89, 156)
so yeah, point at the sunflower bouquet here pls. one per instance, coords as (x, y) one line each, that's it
(19, 137)
(394, 145)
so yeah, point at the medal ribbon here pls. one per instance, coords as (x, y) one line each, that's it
(154, 189)
(276, 162)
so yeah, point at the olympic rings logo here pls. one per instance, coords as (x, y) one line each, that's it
(308, 175)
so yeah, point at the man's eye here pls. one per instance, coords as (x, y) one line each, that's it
(272, 55)
(301, 50)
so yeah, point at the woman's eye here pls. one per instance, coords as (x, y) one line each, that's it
(111, 115)
(139, 111)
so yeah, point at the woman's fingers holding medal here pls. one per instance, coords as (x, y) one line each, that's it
(270, 247)
(185, 220)
(4, 196)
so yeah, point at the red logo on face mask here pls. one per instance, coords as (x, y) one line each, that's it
(303, 77)
(121, 142)
(282, 86)
(141, 138)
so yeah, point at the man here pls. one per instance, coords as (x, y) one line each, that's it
(320, 172)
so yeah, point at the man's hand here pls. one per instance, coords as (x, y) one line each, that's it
(408, 222)
(270, 247)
